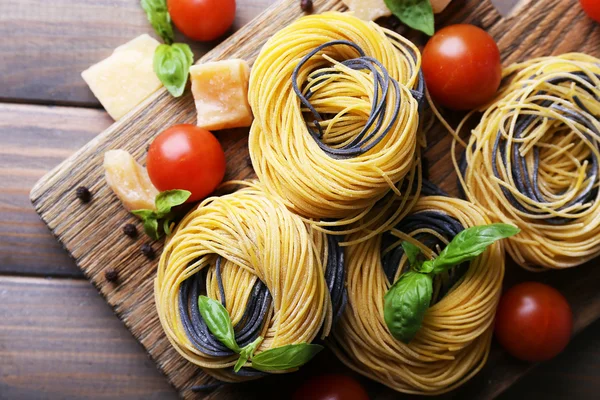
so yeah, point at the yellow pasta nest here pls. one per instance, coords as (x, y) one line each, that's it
(534, 160)
(335, 135)
(454, 340)
(262, 262)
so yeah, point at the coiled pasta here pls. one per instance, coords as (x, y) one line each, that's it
(276, 276)
(454, 340)
(336, 107)
(533, 160)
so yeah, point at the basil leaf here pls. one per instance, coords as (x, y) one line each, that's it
(151, 227)
(167, 226)
(218, 321)
(413, 253)
(169, 199)
(150, 222)
(144, 214)
(285, 357)
(164, 202)
(467, 245)
(172, 65)
(246, 353)
(418, 14)
(158, 16)
(405, 305)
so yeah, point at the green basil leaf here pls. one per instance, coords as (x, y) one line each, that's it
(405, 305)
(285, 357)
(151, 228)
(172, 66)
(167, 226)
(144, 214)
(150, 220)
(467, 245)
(218, 321)
(413, 253)
(246, 353)
(169, 199)
(417, 14)
(158, 16)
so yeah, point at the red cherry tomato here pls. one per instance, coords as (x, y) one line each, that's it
(462, 68)
(331, 387)
(533, 321)
(591, 8)
(202, 20)
(186, 157)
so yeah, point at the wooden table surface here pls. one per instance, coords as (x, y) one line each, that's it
(58, 338)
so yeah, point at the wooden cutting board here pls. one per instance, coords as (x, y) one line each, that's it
(92, 234)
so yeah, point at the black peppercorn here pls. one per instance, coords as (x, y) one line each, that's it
(130, 230)
(306, 5)
(83, 194)
(148, 251)
(111, 275)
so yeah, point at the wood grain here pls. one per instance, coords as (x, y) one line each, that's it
(96, 246)
(571, 375)
(45, 45)
(50, 347)
(34, 140)
(60, 340)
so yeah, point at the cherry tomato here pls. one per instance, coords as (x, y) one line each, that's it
(186, 157)
(202, 20)
(591, 8)
(533, 321)
(462, 68)
(331, 387)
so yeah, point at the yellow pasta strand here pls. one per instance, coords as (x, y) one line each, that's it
(454, 340)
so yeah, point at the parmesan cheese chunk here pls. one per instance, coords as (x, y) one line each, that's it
(220, 91)
(125, 78)
(129, 180)
(370, 10)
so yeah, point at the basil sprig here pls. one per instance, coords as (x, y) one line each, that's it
(418, 14)
(172, 66)
(282, 358)
(172, 61)
(407, 301)
(158, 16)
(246, 353)
(164, 203)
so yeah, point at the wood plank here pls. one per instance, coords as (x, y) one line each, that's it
(65, 343)
(34, 140)
(548, 30)
(60, 340)
(572, 375)
(46, 45)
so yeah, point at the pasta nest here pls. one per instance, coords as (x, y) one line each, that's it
(275, 275)
(336, 103)
(534, 160)
(454, 340)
